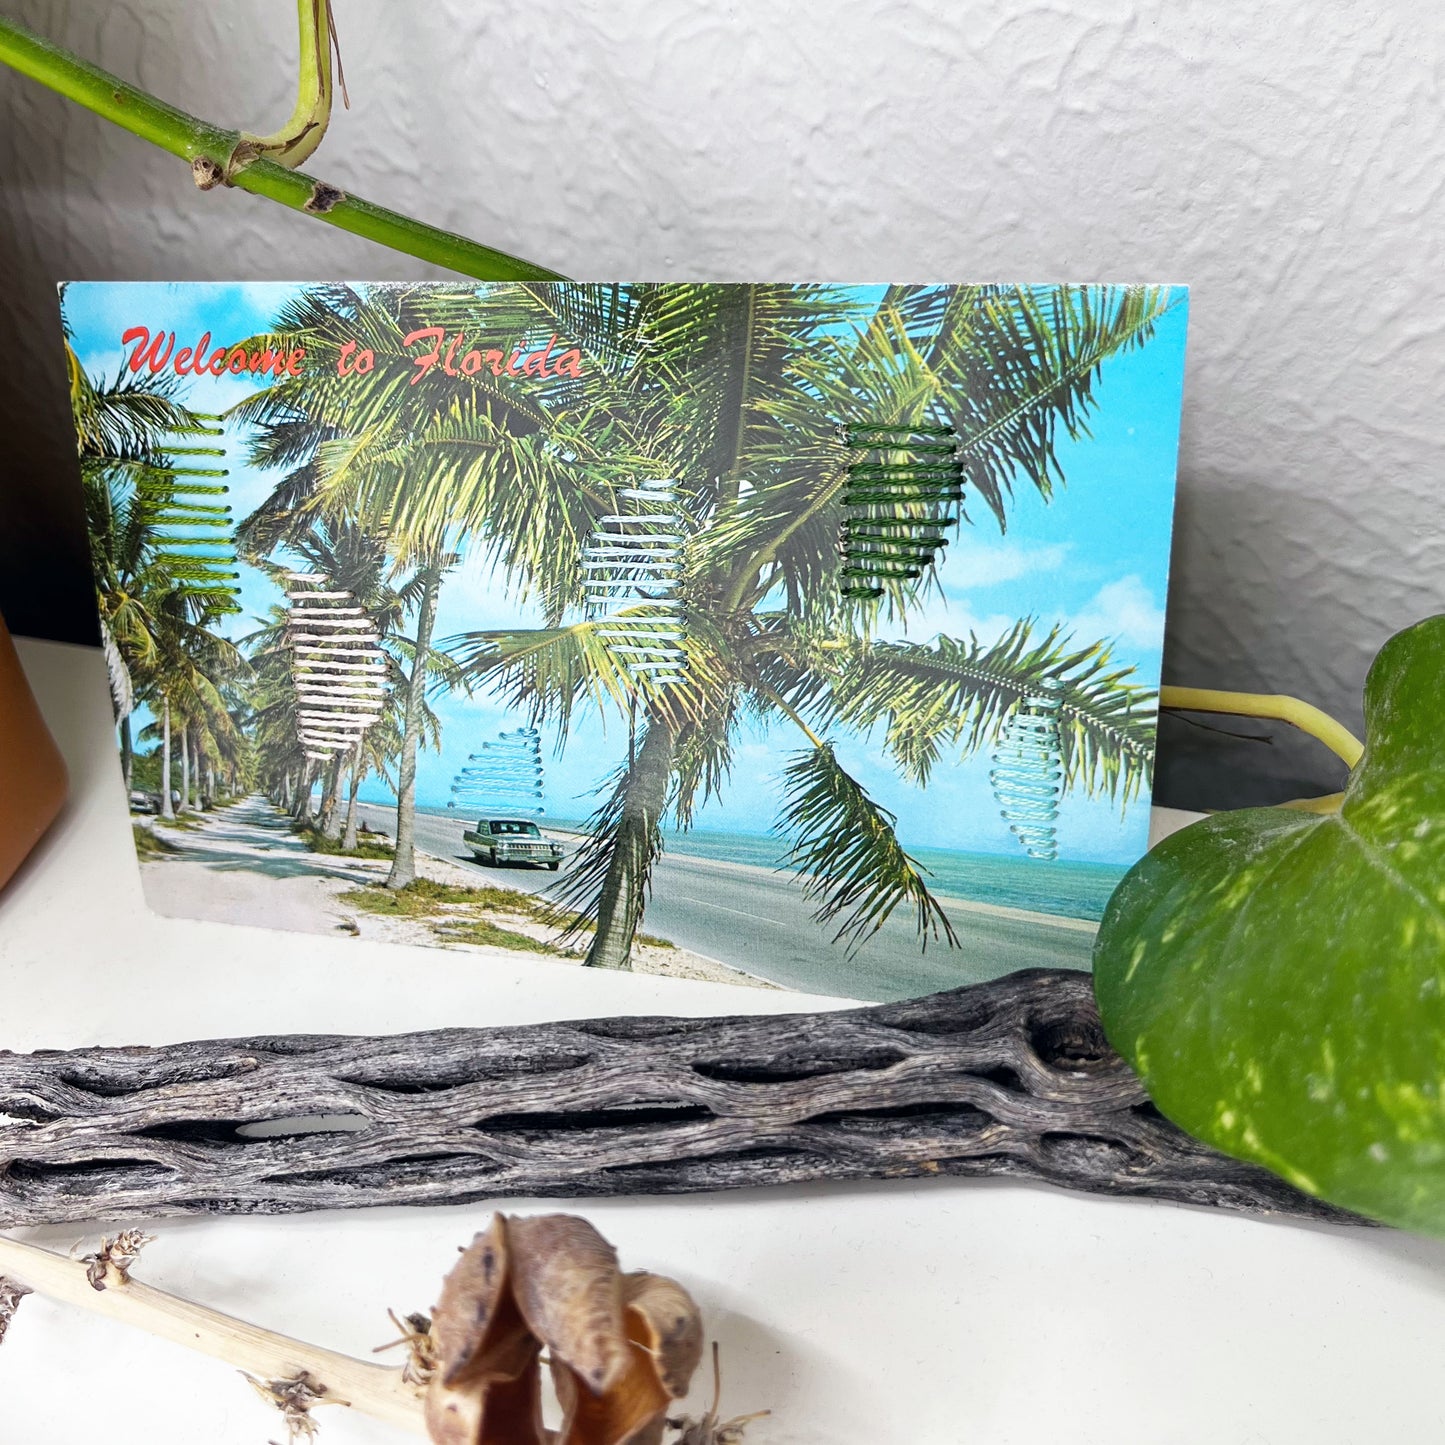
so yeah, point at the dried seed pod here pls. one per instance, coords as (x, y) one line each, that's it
(487, 1385)
(569, 1290)
(487, 1358)
(673, 1327)
(664, 1345)
(620, 1348)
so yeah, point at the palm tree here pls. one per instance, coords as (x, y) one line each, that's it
(355, 561)
(270, 717)
(433, 564)
(738, 394)
(307, 426)
(185, 685)
(157, 601)
(120, 427)
(374, 751)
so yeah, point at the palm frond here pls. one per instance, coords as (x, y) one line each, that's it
(122, 690)
(704, 758)
(844, 844)
(1017, 365)
(572, 902)
(128, 416)
(957, 693)
(547, 672)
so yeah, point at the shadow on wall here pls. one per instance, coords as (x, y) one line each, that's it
(45, 588)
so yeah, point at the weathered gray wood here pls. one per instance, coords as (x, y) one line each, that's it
(1011, 1078)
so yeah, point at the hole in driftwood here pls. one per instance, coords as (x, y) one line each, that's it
(665, 1175)
(91, 1176)
(303, 1124)
(909, 1121)
(469, 1171)
(792, 1068)
(630, 1118)
(149, 1074)
(941, 1015)
(1002, 1075)
(192, 1131)
(636, 1028)
(100, 1085)
(1087, 1152)
(17, 1111)
(1070, 1043)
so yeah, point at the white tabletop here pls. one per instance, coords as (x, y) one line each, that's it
(950, 1311)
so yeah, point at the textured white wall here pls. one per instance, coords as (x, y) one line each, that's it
(1286, 160)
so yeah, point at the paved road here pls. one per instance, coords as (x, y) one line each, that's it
(758, 920)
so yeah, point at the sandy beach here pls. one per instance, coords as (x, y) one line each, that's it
(242, 864)
(706, 919)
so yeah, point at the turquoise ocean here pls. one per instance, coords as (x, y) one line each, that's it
(1068, 889)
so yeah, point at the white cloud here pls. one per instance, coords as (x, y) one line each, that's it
(1124, 611)
(971, 564)
(954, 617)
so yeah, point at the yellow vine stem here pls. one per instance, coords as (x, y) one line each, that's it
(1303, 715)
(375, 1390)
(1325, 804)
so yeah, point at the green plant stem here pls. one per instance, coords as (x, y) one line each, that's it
(212, 154)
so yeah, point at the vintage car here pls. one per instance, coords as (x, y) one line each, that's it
(512, 840)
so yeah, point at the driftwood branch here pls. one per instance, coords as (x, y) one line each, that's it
(1012, 1079)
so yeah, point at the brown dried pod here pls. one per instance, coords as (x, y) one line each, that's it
(568, 1287)
(487, 1359)
(620, 1348)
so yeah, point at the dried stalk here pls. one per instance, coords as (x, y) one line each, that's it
(1011, 1078)
(274, 1359)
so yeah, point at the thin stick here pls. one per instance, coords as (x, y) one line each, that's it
(216, 156)
(375, 1390)
(1303, 715)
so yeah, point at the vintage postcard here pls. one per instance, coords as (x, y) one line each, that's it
(795, 635)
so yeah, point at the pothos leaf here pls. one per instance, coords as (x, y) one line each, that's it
(1278, 979)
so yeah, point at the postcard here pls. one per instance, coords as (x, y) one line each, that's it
(795, 636)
